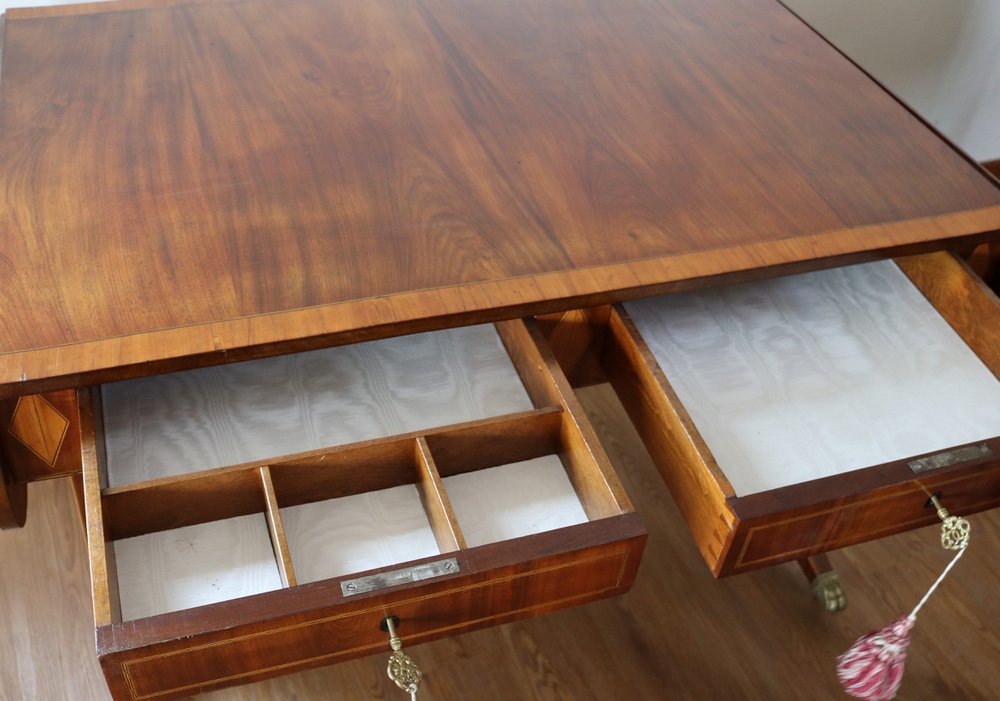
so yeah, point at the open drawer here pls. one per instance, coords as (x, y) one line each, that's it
(797, 415)
(261, 518)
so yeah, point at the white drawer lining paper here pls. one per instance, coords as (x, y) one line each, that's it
(355, 533)
(222, 560)
(195, 566)
(352, 534)
(244, 412)
(510, 501)
(811, 375)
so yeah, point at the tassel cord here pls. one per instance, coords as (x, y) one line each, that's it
(954, 560)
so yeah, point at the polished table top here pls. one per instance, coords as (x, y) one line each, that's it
(194, 182)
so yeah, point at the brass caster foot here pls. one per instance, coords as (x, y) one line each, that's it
(829, 591)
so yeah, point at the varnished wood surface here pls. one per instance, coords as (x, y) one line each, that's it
(678, 634)
(685, 463)
(530, 547)
(985, 259)
(185, 184)
(40, 435)
(968, 305)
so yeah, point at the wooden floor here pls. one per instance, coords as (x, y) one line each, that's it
(678, 634)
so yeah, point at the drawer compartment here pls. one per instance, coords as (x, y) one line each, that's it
(456, 485)
(793, 416)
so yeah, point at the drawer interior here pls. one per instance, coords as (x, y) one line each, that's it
(173, 424)
(194, 566)
(509, 501)
(336, 537)
(797, 415)
(469, 438)
(803, 377)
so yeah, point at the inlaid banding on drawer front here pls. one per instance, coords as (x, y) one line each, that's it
(883, 513)
(425, 618)
(490, 594)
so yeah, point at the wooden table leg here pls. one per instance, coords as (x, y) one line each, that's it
(825, 582)
(81, 503)
(13, 501)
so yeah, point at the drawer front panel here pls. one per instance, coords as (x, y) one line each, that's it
(331, 635)
(798, 533)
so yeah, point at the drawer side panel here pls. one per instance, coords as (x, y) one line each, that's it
(671, 439)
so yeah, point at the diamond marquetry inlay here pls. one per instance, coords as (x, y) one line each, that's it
(39, 426)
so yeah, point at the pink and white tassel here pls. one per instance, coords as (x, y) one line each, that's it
(872, 668)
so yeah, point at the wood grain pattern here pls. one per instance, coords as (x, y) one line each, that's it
(46, 605)
(243, 640)
(630, 647)
(519, 531)
(699, 487)
(576, 338)
(185, 186)
(497, 441)
(436, 501)
(985, 259)
(39, 426)
(591, 576)
(276, 529)
(105, 601)
(41, 435)
(56, 8)
(174, 502)
(770, 531)
(201, 419)
(591, 473)
(962, 299)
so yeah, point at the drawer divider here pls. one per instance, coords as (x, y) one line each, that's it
(276, 528)
(440, 513)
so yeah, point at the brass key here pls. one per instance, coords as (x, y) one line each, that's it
(401, 668)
